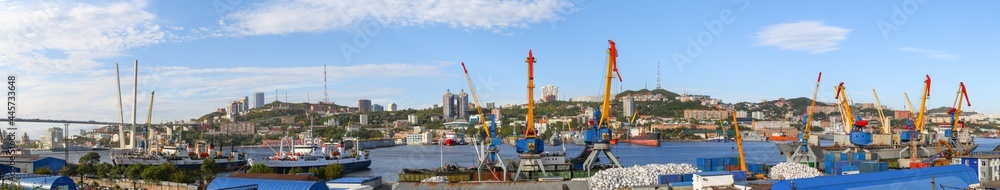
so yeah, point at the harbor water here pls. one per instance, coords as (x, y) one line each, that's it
(389, 162)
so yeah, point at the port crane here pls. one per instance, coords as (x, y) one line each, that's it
(886, 123)
(144, 144)
(804, 153)
(739, 142)
(598, 137)
(489, 155)
(916, 127)
(956, 113)
(854, 124)
(531, 147)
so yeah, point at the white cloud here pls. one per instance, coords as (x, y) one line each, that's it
(809, 36)
(932, 54)
(291, 16)
(66, 36)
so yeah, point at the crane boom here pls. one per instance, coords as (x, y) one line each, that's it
(958, 104)
(149, 117)
(612, 66)
(908, 104)
(845, 107)
(923, 104)
(881, 116)
(529, 131)
(812, 107)
(739, 141)
(475, 97)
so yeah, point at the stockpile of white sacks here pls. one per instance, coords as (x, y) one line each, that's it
(791, 170)
(615, 178)
(435, 179)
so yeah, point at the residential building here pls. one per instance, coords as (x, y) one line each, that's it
(258, 99)
(773, 124)
(238, 128)
(628, 105)
(392, 107)
(462, 103)
(705, 114)
(364, 119)
(587, 99)
(364, 105)
(758, 115)
(447, 104)
(741, 114)
(377, 107)
(53, 137)
(245, 104)
(419, 138)
(412, 118)
(901, 114)
(550, 93)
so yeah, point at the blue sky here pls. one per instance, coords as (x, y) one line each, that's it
(199, 55)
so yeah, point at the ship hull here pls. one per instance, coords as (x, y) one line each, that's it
(351, 166)
(182, 164)
(647, 139)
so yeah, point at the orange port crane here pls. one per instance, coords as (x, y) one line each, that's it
(531, 147)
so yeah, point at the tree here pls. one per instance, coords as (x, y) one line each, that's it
(260, 168)
(209, 167)
(134, 173)
(152, 174)
(91, 158)
(104, 170)
(318, 172)
(334, 171)
(296, 171)
(43, 170)
(68, 170)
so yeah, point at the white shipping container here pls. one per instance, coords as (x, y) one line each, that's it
(842, 140)
(896, 139)
(814, 140)
(882, 139)
(706, 182)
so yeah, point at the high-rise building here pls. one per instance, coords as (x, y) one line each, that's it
(364, 119)
(447, 104)
(392, 107)
(246, 104)
(550, 93)
(412, 118)
(376, 107)
(462, 103)
(258, 99)
(53, 137)
(628, 105)
(490, 105)
(364, 105)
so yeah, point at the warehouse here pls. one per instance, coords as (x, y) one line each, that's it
(30, 163)
(943, 177)
(37, 181)
(266, 181)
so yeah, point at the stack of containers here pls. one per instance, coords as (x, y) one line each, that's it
(672, 178)
(848, 170)
(873, 166)
(718, 164)
(838, 167)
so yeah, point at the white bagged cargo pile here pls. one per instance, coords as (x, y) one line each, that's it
(615, 178)
(791, 170)
(435, 179)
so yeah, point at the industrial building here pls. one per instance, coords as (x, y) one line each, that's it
(942, 177)
(37, 181)
(986, 166)
(266, 181)
(30, 163)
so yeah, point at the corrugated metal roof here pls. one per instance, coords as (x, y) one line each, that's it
(37, 181)
(494, 185)
(228, 182)
(954, 176)
(982, 156)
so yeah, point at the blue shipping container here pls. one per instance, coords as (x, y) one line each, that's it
(844, 157)
(849, 168)
(702, 162)
(669, 178)
(681, 184)
(859, 156)
(739, 176)
(720, 168)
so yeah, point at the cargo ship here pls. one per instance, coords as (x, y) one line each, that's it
(182, 156)
(888, 147)
(312, 155)
(645, 139)
(753, 137)
(781, 136)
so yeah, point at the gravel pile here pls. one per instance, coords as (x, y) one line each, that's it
(435, 179)
(791, 170)
(615, 178)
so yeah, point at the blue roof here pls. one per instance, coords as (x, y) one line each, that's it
(713, 173)
(36, 181)
(958, 176)
(227, 182)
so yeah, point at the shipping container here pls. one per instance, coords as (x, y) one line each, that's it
(859, 156)
(669, 178)
(881, 139)
(739, 176)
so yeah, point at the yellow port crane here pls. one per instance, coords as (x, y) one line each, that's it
(804, 153)
(489, 154)
(881, 116)
(149, 119)
(739, 141)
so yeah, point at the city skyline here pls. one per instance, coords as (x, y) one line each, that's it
(199, 56)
